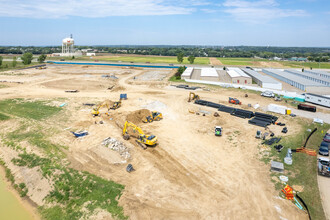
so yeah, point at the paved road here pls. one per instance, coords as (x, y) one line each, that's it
(324, 187)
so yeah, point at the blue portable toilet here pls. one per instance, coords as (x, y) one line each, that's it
(123, 96)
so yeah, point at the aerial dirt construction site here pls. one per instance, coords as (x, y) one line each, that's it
(101, 142)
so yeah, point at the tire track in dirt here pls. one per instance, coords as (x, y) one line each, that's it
(214, 61)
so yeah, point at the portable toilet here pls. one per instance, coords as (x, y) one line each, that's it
(123, 96)
(288, 111)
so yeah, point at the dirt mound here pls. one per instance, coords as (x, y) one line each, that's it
(136, 117)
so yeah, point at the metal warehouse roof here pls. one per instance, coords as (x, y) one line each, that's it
(294, 78)
(321, 96)
(260, 77)
(236, 72)
(308, 75)
(209, 72)
(188, 71)
(319, 72)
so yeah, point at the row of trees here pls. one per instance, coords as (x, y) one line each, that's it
(180, 58)
(196, 51)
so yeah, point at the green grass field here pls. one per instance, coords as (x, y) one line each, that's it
(239, 61)
(314, 65)
(25, 109)
(145, 59)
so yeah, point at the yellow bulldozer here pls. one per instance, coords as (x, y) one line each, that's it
(154, 116)
(193, 96)
(143, 140)
(116, 105)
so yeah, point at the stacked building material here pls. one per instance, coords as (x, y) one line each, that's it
(242, 113)
(206, 103)
(227, 109)
(262, 119)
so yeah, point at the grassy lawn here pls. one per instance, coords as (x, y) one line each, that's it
(238, 61)
(144, 59)
(314, 65)
(303, 170)
(4, 117)
(31, 110)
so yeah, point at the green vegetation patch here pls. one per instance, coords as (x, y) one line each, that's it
(75, 191)
(237, 61)
(155, 59)
(32, 110)
(4, 117)
(303, 170)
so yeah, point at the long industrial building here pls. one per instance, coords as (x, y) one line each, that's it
(263, 81)
(320, 73)
(297, 81)
(309, 76)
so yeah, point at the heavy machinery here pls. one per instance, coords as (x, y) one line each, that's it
(193, 96)
(96, 112)
(218, 131)
(116, 105)
(154, 116)
(234, 101)
(143, 140)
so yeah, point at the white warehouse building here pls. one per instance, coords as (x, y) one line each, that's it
(263, 81)
(238, 76)
(309, 76)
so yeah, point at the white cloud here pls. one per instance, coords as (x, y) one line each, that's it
(92, 8)
(260, 11)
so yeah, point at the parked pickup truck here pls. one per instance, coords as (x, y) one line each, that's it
(268, 94)
(324, 166)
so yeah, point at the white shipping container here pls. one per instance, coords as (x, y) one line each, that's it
(277, 109)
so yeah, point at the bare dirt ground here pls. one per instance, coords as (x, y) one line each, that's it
(190, 174)
(268, 64)
(214, 61)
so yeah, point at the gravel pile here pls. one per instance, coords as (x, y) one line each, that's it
(114, 144)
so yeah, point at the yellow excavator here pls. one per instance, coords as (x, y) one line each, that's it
(96, 112)
(142, 139)
(193, 96)
(154, 116)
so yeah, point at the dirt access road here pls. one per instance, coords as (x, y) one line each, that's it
(190, 174)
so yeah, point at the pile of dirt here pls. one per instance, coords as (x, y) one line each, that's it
(136, 117)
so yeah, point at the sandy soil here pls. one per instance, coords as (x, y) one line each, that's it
(214, 61)
(190, 174)
(268, 64)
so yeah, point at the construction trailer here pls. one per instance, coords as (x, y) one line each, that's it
(317, 99)
(262, 80)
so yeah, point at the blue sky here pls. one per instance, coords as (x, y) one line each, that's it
(174, 22)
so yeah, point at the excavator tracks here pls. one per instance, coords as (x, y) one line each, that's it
(141, 144)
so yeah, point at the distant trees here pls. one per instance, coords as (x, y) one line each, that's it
(181, 69)
(179, 57)
(42, 58)
(191, 59)
(27, 58)
(14, 63)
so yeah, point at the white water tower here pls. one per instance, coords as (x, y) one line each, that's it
(68, 46)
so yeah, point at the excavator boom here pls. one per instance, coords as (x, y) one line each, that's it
(143, 140)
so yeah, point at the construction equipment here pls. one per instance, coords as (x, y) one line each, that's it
(193, 96)
(234, 101)
(154, 116)
(116, 105)
(142, 139)
(218, 131)
(258, 134)
(96, 112)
